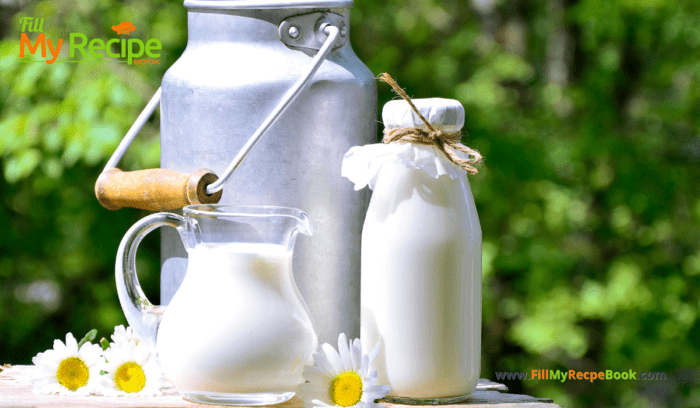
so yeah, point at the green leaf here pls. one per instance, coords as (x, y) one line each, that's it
(90, 336)
(104, 343)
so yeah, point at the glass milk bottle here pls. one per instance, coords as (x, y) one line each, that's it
(421, 259)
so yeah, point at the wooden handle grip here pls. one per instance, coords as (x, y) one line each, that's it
(154, 189)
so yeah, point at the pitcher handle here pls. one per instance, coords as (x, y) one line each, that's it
(143, 316)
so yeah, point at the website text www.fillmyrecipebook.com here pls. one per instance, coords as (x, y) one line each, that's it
(559, 375)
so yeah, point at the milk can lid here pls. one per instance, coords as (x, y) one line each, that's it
(445, 114)
(266, 4)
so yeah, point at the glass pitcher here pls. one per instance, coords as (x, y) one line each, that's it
(237, 331)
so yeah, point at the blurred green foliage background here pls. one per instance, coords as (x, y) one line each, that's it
(588, 112)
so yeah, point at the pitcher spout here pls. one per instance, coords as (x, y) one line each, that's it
(304, 225)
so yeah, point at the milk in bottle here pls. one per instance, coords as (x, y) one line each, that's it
(421, 260)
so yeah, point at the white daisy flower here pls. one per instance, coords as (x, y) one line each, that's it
(131, 371)
(343, 378)
(68, 370)
(123, 335)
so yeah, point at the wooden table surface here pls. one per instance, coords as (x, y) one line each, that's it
(16, 391)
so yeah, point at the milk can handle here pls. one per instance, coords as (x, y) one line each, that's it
(143, 316)
(333, 33)
(216, 186)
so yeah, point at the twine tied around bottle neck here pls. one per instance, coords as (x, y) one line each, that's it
(447, 142)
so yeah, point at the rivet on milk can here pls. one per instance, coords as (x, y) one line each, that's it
(285, 70)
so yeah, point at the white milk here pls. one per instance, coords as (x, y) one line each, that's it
(237, 324)
(421, 283)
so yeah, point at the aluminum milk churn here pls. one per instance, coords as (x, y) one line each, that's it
(242, 59)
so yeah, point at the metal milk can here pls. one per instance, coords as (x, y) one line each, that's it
(285, 70)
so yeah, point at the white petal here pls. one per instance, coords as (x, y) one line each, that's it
(375, 392)
(358, 344)
(316, 375)
(55, 388)
(333, 357)
(60, 347)
(71, 343)
(140, 354)
(119, 334)
(323, 363)
(127, 349)
(64, 391)
(109, 366)
(372, 374)
(365, 364)
(47, 389)
(369, 382)
(40, 382)
(40, 359)
(107, 381)
(54, 357)
(344, 352)
(83, 391)
(356, 355)
(94, 373)
(112, 354)
(152, 365)
(46, 372)
(154, 379)
(90, 353)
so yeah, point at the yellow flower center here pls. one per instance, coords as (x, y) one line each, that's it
(130, 377)
(346, 389)
(72, 373)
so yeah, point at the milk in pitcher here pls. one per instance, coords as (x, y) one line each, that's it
(249, 305)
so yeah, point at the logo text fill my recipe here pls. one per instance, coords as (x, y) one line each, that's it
(132, 49)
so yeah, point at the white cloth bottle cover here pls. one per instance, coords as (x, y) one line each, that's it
(362, 163)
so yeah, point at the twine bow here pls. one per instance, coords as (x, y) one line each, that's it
(447, 142)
